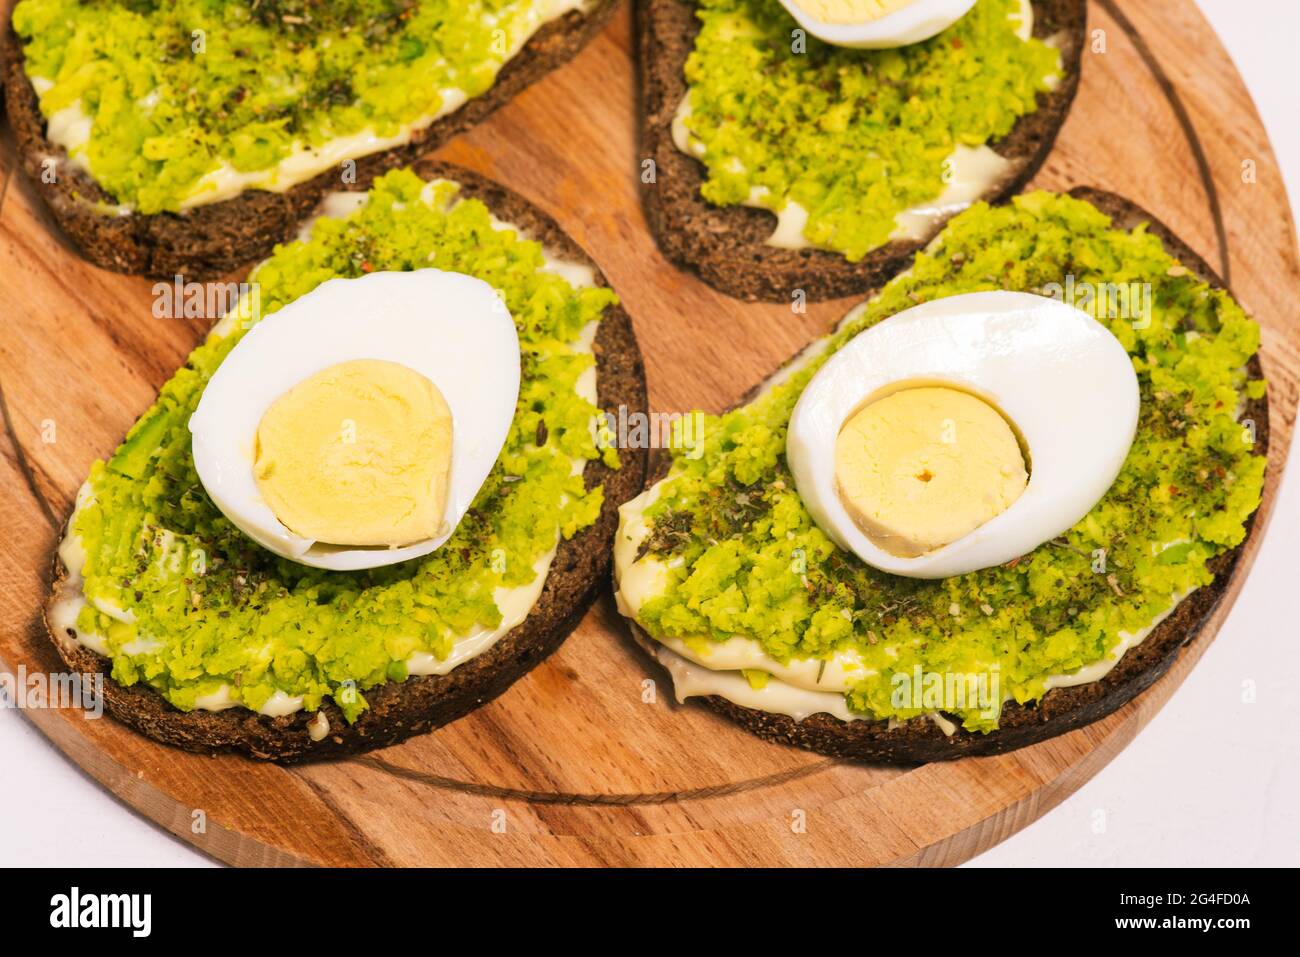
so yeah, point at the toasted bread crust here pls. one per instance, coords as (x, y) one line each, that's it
(726, 245)
(207, 241)
(1062, 709)
(401, 709)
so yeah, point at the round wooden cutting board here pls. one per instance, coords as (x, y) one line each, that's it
(587, 760)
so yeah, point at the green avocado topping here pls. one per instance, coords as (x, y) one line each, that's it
(211, 608)
(853, 136)
(178, 89)
(751, 562)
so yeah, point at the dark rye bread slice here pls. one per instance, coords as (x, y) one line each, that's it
(726, 244)
(207, 241)
(1062, 709)
(401, 709)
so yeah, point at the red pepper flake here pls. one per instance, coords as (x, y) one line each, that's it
(367, 266)
(1173, 490)
(956, 43)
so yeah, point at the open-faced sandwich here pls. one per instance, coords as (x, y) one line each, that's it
(787, 165)
(988, 509)
(190, 136)
(374, 496)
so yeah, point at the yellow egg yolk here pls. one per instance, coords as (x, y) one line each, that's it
(357, 454)
(924, 466)
(850, 11)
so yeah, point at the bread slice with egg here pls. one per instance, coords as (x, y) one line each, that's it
(1061, 709)
(727, 245)
(399, 709)
(207, 241)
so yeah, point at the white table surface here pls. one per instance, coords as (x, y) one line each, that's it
(1212, 780)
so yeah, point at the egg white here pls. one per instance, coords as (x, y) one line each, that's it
(1061, 378)
(919, 20)
(451, 328)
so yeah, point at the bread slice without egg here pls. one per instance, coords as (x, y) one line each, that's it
(400, 709)
(727, 245)
(1062, 709)
(207, 241)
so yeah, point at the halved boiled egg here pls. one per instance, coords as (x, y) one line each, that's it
(354, 427)
(876, 24)
(962, 433)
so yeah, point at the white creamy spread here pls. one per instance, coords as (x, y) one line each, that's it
(335, 205)
(970, 172)
(1024, 20)
(71, 129)
(514, 602)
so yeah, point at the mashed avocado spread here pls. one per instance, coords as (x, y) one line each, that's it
(180, 89)
(199, 606)
(744, 557)
(855, 137)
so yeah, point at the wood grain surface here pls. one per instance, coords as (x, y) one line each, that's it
(574, 766)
